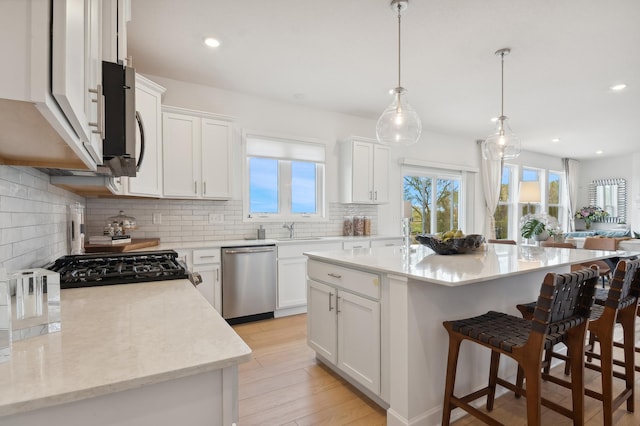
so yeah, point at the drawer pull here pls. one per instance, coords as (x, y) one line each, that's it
(207, 257)
(330, 307)
(335, 275)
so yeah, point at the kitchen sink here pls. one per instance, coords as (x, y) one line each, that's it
(299, 239)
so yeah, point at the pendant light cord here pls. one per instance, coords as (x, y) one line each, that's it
(502, 86)
(399, 45)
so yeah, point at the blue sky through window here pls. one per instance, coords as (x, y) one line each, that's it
(303, 187)
(263, 185)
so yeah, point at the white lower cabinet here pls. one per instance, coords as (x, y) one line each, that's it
(291, 273)
(206, 262)
(343, 327)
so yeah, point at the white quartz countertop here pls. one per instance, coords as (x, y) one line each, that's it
(115, 338)
(268, 241)
(496, 261)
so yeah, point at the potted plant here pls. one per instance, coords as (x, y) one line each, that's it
(536, 229)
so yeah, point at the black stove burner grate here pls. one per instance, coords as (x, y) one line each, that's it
(97, 269)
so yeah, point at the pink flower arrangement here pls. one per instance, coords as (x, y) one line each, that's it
(590, 214)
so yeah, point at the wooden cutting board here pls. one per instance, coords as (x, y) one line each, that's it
(135, 244)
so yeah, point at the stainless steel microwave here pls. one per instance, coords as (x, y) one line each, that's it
(119, 146)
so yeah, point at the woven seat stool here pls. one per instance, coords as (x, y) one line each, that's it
(618, 306)
(561, 314)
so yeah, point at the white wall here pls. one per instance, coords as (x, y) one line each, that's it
(259, 114)
(625, 167)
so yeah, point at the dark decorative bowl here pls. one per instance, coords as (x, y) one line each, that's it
(453, 245)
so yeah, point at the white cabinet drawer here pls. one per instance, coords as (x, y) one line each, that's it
(297, 250)
(360, 282)
(206, 256)
(348, 245)
(386, 242)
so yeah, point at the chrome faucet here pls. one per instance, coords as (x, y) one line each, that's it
(290, 227)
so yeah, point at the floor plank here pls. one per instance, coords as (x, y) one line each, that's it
(284, 385)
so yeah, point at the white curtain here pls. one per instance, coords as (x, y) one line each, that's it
(491, 175)
(571, 169)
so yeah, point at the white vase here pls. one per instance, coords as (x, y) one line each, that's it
(543, 236)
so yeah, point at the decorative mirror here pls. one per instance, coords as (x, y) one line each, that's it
(611, 195)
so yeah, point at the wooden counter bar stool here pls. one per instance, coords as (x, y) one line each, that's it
(619, 306)
(561, 315)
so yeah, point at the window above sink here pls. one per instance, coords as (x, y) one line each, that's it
(284, 178)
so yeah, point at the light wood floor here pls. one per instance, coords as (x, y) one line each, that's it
(284, 385)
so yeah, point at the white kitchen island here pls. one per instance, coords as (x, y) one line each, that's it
(137, 354)
(375, 316)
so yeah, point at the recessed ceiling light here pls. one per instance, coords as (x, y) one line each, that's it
(618, 87)
(555, 140)
(599, 152)
(211, 42)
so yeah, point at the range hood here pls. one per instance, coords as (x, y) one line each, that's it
(84, 182)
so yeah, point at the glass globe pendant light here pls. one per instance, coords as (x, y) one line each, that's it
(399, 124)
(503, 144)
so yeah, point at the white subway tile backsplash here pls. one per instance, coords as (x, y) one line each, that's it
(33, 218)
(188, 220)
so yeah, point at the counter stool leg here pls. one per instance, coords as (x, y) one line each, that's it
(628, 320)
(606, 374)
(534, 384)
(452, 365)
(493, 376)
(575, 350)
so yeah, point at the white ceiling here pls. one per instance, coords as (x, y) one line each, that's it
(342, 56)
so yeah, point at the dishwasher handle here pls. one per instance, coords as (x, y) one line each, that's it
(245, 250)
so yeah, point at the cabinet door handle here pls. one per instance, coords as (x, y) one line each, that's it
(330, 307)
(375, 195)
(99, 123)
(204, 187)
(338, 304)
(195, 187)
(334, 275)
(371, 195)
(217, 274)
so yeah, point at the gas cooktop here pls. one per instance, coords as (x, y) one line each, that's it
(87, 270)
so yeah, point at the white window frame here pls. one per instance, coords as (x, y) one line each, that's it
(436, 174)
(284, 149)
(511, 202)
(562, 210)
(516, 207)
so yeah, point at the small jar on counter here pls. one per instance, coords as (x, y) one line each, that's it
(367, 225)
(347, 226)
(358, 226)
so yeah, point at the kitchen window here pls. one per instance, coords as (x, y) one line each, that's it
(509, 211)
(435, 200)
(285, 178)
(504, 211)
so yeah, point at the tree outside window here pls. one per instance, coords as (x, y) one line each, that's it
(443, 198)
(502, 216)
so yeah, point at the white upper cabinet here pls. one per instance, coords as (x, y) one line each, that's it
(196, 154)
(148, 180)
(76, 65)
(365, 171)
(116, 14)
(55, 52)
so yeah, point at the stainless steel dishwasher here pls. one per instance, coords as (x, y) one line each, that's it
(248, 282)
